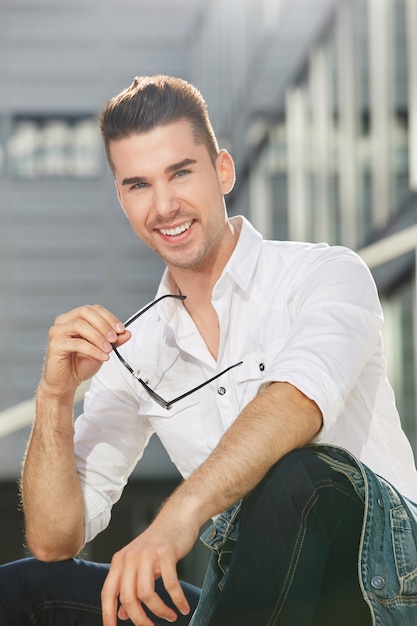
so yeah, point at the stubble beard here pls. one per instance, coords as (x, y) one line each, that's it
(195, 259)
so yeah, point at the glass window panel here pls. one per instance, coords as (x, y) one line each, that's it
(279, 193)
(399, 342)
(51, 147)
(399, 138)
(407, 401)
(363, 139)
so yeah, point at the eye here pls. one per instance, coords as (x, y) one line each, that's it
(181, 173)
(141, 185)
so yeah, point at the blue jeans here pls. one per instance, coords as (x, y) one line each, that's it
(287, 557)
(67, 593)
(290, 557)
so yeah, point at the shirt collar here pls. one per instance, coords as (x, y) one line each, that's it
(240, 267)
(242, 263)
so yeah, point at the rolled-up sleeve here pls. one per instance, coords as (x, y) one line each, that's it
(110, 438)
(335, 320)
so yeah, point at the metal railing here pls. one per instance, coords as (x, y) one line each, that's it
(21, 415)
(390, 247)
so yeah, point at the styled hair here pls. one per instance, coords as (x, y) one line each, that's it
(152, 101)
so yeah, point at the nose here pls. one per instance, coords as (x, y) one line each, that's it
(165, 201)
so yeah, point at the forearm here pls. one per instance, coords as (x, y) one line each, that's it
(277, 421)
(51, 492)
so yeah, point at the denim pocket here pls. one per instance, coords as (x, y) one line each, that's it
(405, 550)
(224, 559)
(221, 538)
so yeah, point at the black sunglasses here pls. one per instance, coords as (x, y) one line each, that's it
(163, 403)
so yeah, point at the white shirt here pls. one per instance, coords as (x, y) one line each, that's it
(307, 314)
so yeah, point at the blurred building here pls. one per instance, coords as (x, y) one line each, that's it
(315, 99)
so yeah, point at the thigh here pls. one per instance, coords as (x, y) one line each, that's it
(65, 593)
(35, 592)
(291, 526)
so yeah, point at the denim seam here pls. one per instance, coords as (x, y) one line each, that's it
(61, 604)
(297, 551)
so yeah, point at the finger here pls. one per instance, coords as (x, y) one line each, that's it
(109, 598)
(120, 584)
(146, 593)
(78, 329)
(116, 326)
(135, 613)
(78, 338)
(173, 587)
(96, 334)
(99, 317)
(131, 605)
(122, 613)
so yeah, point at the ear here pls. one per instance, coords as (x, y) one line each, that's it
(225, 171)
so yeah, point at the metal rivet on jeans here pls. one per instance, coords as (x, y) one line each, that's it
(378, 582)
(221, 391)
(380, 503)
(212, 534)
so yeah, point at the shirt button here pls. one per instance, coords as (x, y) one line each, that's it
(380, 503)
(212, 534)
(378, 582)
(221, 391)
(261, 367)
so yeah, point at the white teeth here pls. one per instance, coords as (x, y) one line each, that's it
(176, 231)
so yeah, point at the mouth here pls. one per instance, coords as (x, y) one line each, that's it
(178, 230)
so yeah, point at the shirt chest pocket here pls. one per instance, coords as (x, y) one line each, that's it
(168, 385)
(257, 371)
(150, 407)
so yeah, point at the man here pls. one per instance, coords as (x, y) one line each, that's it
(261, 370)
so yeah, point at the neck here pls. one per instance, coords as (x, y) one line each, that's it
(198, 287)
(197, 283)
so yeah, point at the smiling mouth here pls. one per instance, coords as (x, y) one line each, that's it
(171, 232)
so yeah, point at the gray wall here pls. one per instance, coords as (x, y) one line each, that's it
(64, 241)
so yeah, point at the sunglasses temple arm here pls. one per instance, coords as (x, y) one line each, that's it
(163, 403)
(150, 391)
(149, 306)
(207, 382)
(121, 359)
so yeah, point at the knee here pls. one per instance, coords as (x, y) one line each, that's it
(299, 468)
(16, 568)
(33, 574)
(25, 575)
(292, 481)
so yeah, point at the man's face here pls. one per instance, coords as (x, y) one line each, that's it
(172, 193)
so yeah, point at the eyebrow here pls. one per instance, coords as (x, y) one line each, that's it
(168, 170)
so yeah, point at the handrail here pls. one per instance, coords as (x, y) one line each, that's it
(390, 247)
